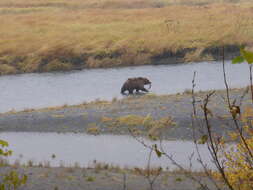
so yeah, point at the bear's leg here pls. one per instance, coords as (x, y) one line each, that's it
(144, 89)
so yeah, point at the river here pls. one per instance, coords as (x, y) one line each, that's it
(54, 89)
(68, 149)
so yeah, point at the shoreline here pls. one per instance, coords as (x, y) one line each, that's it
(102, 176)
(102, 117)
(208, 54)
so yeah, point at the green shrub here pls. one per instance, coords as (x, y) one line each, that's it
(11, 180)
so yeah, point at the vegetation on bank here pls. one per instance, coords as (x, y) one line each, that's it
(52, 35)
(12, 179)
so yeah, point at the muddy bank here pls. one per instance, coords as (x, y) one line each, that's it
(205, 54)
(68, 60)
(91, 117)
(41, 178)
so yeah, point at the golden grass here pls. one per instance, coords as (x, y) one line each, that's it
(93, 129)
(51, 35)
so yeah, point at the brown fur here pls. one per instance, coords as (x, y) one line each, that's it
(135, 84)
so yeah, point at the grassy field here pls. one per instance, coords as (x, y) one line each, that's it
(50, 35)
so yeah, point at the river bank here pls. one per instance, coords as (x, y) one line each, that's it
(100, 177)
(89, 61)
(104, 117)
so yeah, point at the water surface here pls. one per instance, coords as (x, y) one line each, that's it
(83, 149)
(53, 89)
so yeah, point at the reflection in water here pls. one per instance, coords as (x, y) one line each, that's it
(51, 89)
(84, 149)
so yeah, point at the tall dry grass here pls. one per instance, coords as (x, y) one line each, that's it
(45, 35)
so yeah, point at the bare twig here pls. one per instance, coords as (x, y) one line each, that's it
(124, 182)
(212, 146)
(251, 87)
(174, 162)
(237, 126)
(186, 172)
(193, 97)
(149, 176)
(225, 77)
(195, 121)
